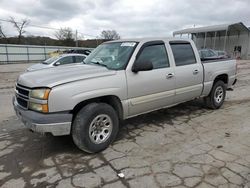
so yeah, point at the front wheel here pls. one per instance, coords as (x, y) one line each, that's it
(95, 127)
(217, 95)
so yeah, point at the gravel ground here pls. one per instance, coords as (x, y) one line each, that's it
(184, 146)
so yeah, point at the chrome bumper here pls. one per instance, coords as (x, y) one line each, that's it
(57, 123)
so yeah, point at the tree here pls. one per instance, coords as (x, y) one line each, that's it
(19, 26)
(2, 35)
(65, 35)
(110, 35)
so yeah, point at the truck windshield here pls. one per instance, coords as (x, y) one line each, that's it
(113, 55)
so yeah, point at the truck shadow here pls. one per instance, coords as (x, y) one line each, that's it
(186, 110)
(23, 152)
(164, 117)
(49, 145)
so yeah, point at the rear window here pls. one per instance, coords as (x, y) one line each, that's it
(207, 53)
(183, 54)
(221, 53)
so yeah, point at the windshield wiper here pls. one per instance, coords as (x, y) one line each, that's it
(98, 63)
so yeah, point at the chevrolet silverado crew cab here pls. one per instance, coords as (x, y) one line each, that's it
(118, 80)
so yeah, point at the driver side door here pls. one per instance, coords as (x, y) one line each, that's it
(153, 89)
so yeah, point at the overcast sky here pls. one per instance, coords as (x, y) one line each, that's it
(130, 18)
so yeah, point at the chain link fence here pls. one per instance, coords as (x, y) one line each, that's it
(11, 53)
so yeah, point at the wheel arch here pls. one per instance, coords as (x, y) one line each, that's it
(222, 77)
(112, 100)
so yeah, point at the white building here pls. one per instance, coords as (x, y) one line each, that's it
(232, 38)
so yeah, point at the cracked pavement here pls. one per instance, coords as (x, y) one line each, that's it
(184, 146)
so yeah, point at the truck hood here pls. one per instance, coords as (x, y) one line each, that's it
(60, 75)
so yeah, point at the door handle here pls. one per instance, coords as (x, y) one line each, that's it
(196, 71)
(170, 75)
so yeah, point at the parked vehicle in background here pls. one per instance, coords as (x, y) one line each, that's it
(77, 51)
(69, 51)
(55, 53)
(222, 54)
(64, 59)
(119, 80)
(208, 54)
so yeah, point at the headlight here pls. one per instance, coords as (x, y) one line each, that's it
(39, 107)
(40, 93)
(39, 100)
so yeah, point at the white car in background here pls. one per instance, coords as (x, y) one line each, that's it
(208, 54)
(60, 60)
(223, 54)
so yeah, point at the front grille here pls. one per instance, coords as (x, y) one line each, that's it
(23, 103)
(22, 91)
(22, 96)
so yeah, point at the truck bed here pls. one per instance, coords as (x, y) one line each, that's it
(215, 67)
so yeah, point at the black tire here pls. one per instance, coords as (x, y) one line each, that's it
(210, 100)
(82, 123)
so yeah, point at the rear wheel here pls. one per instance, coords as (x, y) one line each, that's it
(95, 127)
(217, 95)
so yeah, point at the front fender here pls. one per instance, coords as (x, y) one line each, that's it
(65, 97)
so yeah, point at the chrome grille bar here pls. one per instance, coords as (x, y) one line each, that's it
(22, 96)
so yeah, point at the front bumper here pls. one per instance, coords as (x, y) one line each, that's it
(57, 123)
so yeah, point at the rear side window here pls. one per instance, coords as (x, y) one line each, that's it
(183, 54)
(156, 54)
(207, 53)
(79, 59)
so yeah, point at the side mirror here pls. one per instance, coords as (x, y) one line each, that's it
(57, 63)
(142, 66)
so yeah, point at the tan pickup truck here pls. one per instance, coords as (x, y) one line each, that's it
(118, 80)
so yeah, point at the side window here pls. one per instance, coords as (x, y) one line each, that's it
(156, 54)
(212, 53)
(79, 59)
(183, 54)
(66, 60)
(204, 53)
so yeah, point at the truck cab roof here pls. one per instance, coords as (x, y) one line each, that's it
(150, 39)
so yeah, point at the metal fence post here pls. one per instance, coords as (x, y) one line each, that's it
(45, 55)
(248, 46)
(7, 55)
(215, 35)
(196, 36)
(205, 40)
(225, 41)
(28, 53)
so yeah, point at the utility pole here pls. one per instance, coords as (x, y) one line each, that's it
(96, 41)
(76, 39)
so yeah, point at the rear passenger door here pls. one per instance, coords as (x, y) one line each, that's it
(188, 72)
